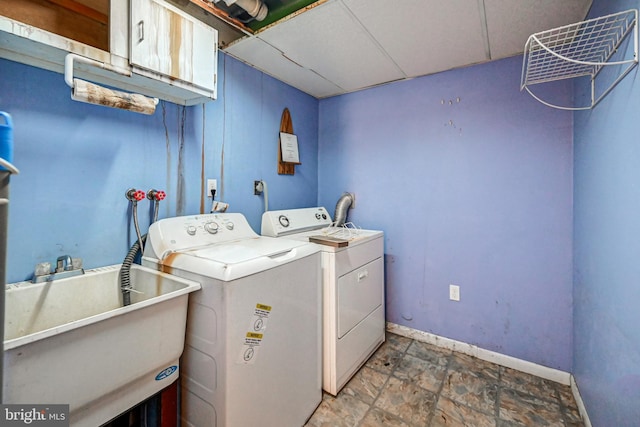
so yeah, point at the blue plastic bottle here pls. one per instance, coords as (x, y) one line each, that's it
(6, 138)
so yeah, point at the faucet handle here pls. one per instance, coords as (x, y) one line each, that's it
(42, 269)
(76, 263)
(64, 263)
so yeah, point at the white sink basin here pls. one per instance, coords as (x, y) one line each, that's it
(70, 341)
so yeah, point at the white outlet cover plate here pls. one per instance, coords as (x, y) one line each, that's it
(454, 292)
(212, 184)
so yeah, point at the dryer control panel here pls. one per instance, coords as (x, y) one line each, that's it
(195, 231)
(290, 221)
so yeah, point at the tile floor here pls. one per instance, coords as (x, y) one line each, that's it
(407, 383)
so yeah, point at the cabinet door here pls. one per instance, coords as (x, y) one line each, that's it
(168, 41)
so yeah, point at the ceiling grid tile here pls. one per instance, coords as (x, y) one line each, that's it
(342, 46)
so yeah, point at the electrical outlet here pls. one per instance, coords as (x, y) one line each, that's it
(454, 292)
(212, 184)
(258, 187)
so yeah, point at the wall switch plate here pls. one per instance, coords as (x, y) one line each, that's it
(454, 292)
(212, 184)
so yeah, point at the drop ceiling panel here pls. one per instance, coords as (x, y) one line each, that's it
(330, 41)
(341, 46)
(266, 58)
(425, 36)
(511, 22)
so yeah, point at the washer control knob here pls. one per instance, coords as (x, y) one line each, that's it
(211, 227)
(229, 226)
(318, 216)
(284, 221)
(191, 230)
(324, 216)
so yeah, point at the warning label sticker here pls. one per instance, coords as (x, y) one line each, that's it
(260, 317)
(255, 334)
(263, 310)
(253, 339)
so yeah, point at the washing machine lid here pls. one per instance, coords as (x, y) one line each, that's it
(243, 251)
(221, 246)
(236, 259)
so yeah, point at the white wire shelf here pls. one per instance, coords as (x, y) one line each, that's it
(579, 50)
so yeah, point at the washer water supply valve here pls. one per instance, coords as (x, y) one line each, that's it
(134, 195)
(156, 195)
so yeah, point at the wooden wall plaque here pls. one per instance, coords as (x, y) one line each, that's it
(286, 125)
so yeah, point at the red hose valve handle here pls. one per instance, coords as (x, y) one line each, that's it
(156, 195)
(134, 195)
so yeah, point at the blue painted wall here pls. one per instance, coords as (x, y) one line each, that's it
(77, 160)
(476, 193)
(473, 182)
(607, 249)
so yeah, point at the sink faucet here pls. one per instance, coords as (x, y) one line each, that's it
(65, 267)
(64, 263)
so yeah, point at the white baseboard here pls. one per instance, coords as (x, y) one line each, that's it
(564, 378)
(488, 355)
(581, 408)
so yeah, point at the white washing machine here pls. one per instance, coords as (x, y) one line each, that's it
(353, 288)
(253, 347)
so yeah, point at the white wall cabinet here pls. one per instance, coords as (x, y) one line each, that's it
(168, 53)
(165, 40)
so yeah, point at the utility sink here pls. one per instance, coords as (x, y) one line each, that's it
(71, 341)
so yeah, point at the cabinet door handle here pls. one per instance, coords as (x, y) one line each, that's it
(363, 275)
(140, 31)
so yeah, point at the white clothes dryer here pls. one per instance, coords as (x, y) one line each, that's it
(253, 343)
(353, 288)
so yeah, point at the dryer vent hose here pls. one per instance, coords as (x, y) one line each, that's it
(342, 209)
